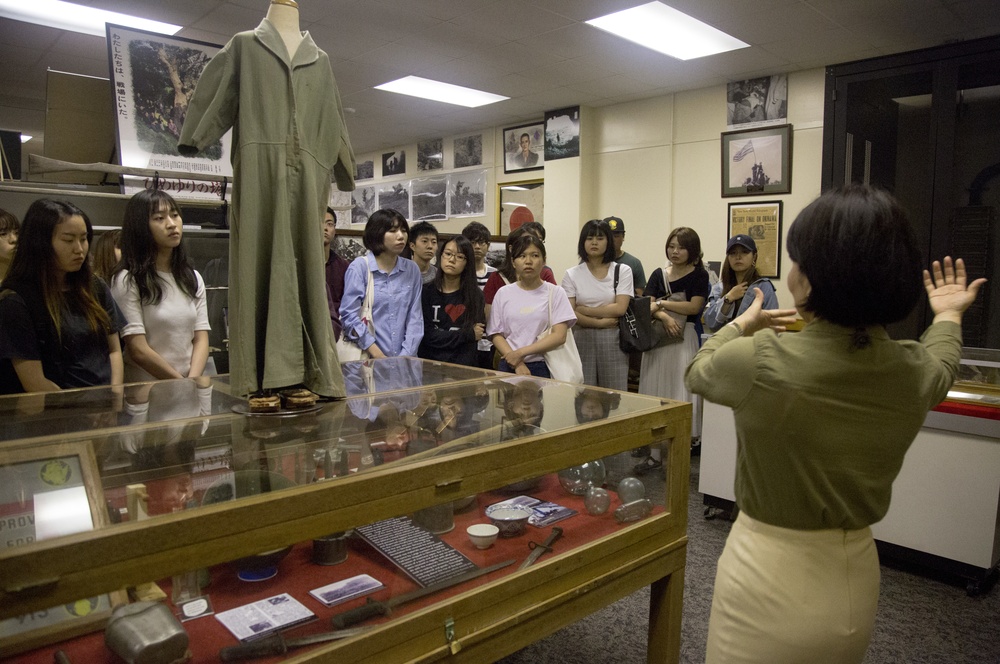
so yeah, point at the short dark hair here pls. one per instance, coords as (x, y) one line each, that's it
(523, 243)
(596, 227)
(687, 238)
(380, 223)
(534, 227)
(524, 135)
(859, 251)
(9, 222)
(422, 228)
(476, 232)
(330, 211)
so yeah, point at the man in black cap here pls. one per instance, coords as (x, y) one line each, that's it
(618, 234)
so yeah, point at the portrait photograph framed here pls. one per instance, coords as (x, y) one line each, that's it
(762, 222)
(518, 203)
(524, 148)
(757, 162)
(48, 491)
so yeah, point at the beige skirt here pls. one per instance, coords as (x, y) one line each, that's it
(784, 596)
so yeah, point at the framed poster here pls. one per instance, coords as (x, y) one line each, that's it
(562, 133)
(393, 163)
(519, 203)
(762, 222)
(524, 148)
(153, 78)
(756, 102)
(757, 161)
(467, 197)
(430, 155)
(46, 491)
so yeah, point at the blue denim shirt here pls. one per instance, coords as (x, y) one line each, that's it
(396, 310)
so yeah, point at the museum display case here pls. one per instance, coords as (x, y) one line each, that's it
(358, 508)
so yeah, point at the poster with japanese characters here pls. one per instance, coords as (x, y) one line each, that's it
(153, 77)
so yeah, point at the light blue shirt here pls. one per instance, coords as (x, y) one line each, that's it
(396, 311)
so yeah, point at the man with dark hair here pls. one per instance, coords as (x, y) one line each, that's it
(336, 268)
(421, 249)
(621, 256)
(526, 158)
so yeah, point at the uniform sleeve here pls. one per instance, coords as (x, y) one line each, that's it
(562, 312)
(126, 296)
(714, 318)
(213, 107)
(201, 305)
(415, 314)
(346, 166)
(723, 370)
(18, 340)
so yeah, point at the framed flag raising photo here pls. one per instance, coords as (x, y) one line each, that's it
(757, 161)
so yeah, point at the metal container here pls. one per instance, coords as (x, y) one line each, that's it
(330, 549)
(146, 633)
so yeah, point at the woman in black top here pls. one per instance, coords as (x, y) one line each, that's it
(453, 305)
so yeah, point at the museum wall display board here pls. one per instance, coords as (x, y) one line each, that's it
(354, 515)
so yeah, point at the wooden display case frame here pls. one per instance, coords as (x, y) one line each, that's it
(480, 624)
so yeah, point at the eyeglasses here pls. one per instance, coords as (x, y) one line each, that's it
(330, 224)
(445, 255)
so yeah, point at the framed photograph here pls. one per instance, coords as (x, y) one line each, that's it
(46, 491)
(757, 161)
(393, 163)
(518, 203)
(467, 194)
(395, 196)
(349, 244)
(468, 151)
(562, 133)
(430, 155)
(366, 170)
(756, 102)
(153, 77)
(524, 148)
(429, 200)
(762, 222)
(365, 202)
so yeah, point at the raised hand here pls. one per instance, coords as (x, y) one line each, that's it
(757, 318)
(947, 292)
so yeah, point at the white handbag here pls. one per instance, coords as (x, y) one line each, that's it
(347, 350)
(563, 362)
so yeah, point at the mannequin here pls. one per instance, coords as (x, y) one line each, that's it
(284, 14)
(275, 87)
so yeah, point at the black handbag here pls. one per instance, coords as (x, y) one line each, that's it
(635, 326)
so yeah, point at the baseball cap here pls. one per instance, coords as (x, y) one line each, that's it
(617, 225)
(744, 241)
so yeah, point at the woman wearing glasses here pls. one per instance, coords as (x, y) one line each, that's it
(453, 306)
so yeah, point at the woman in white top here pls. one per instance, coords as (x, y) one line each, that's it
(599, 290)
(162, 297)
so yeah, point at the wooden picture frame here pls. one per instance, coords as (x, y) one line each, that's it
(762, 222)
(757, 162)
(518, 203)
(513, 159)
(66, 475)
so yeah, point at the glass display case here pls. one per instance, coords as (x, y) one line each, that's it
(107, 488)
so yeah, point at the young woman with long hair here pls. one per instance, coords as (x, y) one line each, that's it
(739, 277)
(598, 301)
(524, 309)
(396, 313)
(106, 253)
(161, 295)
(685, 278)
(9, 228)
(58, 323)
(454, 313)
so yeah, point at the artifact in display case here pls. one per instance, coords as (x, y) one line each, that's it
(216, 489)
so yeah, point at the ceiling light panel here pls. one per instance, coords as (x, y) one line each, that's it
(77, 18)
(415, 86)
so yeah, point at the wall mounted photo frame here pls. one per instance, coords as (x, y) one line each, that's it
(757, 162)
(524, 148)
(562, 133)
(762, 222)
(46, 491)
(519, 203)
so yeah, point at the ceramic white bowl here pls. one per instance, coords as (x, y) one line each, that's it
(510, 520)
(482, 535)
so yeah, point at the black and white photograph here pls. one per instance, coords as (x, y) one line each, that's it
(395, 196)
(341, 591)
(468, 194)
(757, 102)
(468, 151)
(429, 198)
(393, 163)
(757, 161)
(495, 254)
(562, 133)
(430, 155)
(524, 148)
(153, 78)
(349, 245)
(365, 202)
(545, 514)
(366, 170)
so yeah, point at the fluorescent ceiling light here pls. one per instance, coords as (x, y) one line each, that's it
(25, 138)
(425, 88)
(76, 18)
(668, 31)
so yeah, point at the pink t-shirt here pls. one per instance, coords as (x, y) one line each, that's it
(521, 315)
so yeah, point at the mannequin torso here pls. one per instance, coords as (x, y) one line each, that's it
(285, 18)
